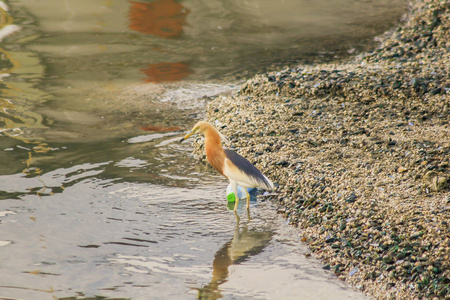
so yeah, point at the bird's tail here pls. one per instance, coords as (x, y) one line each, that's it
(267, 184)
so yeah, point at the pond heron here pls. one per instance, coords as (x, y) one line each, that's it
(228, 163)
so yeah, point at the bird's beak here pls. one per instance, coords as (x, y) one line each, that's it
(187, 136)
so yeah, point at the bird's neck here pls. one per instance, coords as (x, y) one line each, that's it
(214, 150)
(212, 138)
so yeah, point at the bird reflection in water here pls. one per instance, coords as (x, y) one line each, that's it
(244, 244)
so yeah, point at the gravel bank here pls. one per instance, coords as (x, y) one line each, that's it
(360, 152)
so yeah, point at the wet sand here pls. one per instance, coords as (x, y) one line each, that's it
(360, 154)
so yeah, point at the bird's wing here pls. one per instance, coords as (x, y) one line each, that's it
(243, 172)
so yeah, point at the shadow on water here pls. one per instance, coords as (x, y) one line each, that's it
(244, 244)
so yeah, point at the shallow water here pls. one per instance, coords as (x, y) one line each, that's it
(143, 241)
(93, 205)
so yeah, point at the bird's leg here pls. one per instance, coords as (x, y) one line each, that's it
(248, 199)
(236, 196)
(248, 205)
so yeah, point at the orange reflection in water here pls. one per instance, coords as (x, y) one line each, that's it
(164, 18)
(163, 72)
(159, 128)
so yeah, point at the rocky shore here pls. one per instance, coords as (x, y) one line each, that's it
(360, 153)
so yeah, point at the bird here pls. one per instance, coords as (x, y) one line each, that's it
(230, 164)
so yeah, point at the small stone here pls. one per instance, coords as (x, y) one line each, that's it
(283, 163)
(402, 169)
(330, 240)
(437, 182)
(436, 91)
(351, 198)
(353, 271)
(396, 85)
(388, 260)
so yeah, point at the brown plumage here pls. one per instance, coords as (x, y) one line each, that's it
(230, 164)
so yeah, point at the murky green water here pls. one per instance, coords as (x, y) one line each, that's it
(93, 205)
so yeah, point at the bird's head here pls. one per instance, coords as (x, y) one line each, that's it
(200, 127)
